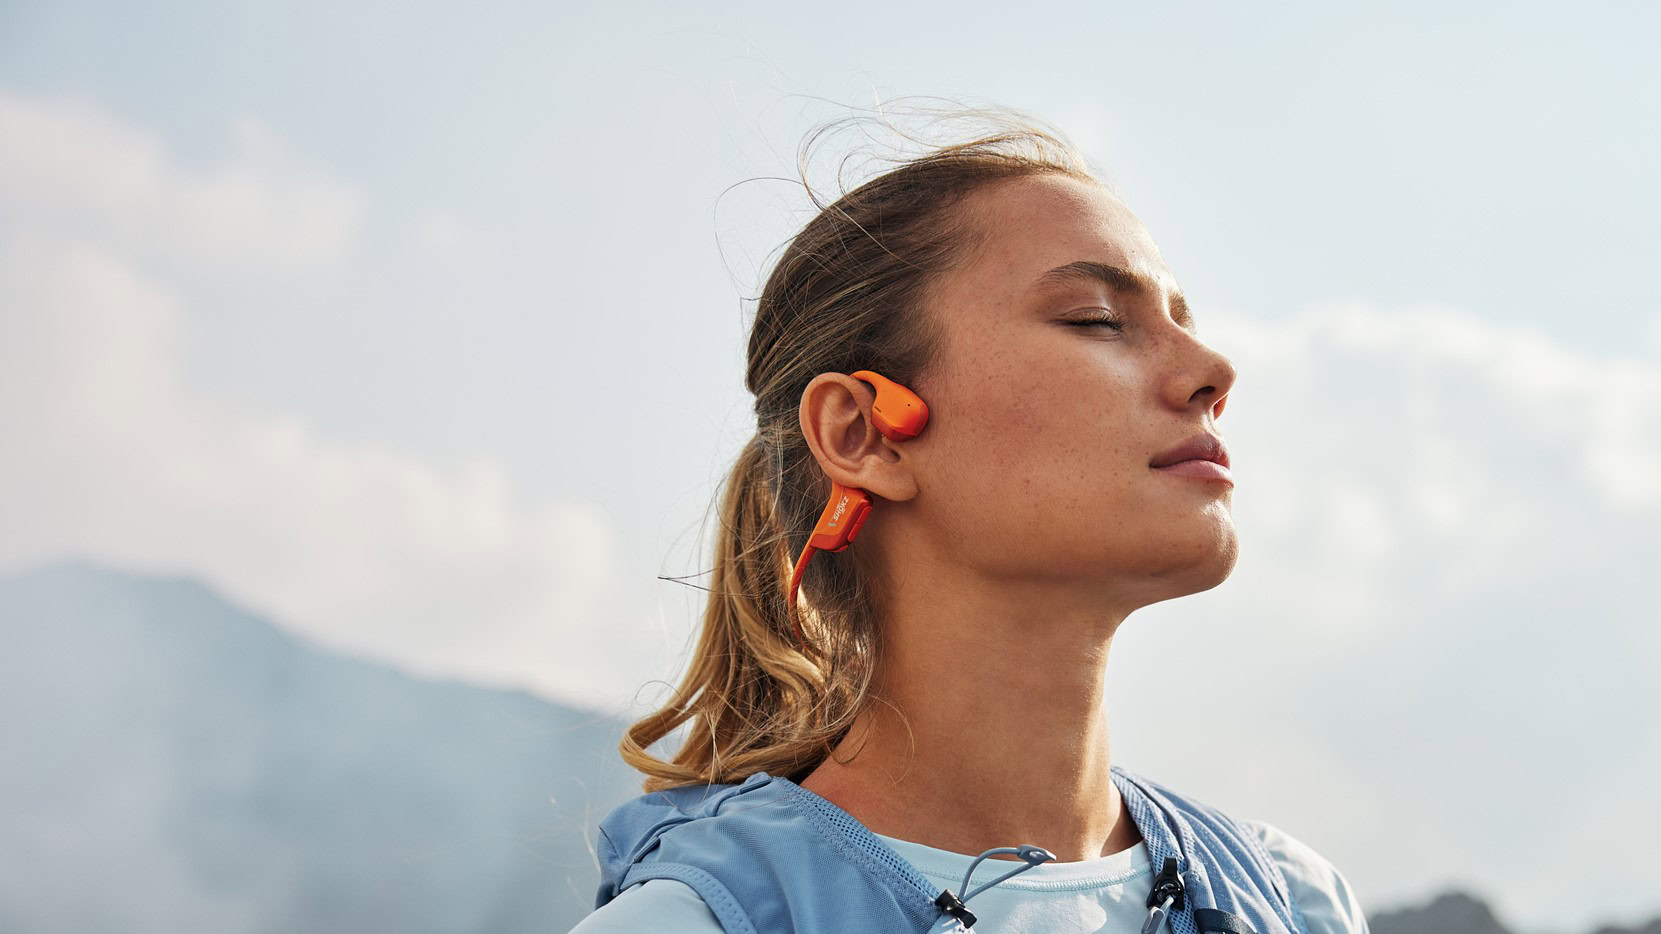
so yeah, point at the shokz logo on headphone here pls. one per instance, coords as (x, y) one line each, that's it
(840, 508)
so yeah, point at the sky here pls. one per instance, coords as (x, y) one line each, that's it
(421, 329)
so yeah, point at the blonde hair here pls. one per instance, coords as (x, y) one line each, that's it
(850, 291)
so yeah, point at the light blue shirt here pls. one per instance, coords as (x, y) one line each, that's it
(1108, 893)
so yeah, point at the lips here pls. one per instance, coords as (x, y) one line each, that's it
(1201, 447)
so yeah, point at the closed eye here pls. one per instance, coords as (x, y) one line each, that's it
(1099, 321)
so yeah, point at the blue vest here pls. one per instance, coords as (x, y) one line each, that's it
(768, 856)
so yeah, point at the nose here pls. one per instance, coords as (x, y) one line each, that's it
(1206, 378)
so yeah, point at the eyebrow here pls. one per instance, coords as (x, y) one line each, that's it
(1118, 277)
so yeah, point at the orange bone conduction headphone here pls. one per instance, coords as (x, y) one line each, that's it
(900, 416)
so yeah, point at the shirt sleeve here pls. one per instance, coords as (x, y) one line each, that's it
(659, 906)
(1324, 896)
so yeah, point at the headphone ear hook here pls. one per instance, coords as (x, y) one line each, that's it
(897, 412)
(899, 415)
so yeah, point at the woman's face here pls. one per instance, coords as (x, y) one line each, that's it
(1036, 461)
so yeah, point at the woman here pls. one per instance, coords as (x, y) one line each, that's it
(935, 690)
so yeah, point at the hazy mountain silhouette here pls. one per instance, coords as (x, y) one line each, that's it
(1449, 913)
(1653, 927)
(171, 762)
(1460, 913)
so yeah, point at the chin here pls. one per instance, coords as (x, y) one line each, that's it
(1228, 555)
(1213, 562)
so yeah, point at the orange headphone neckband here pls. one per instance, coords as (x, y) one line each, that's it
(900, 416)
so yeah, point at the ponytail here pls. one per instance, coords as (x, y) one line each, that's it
(755, 701)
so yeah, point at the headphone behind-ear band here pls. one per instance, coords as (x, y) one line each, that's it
(900, 416)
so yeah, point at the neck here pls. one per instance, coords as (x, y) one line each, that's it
(1004, 736)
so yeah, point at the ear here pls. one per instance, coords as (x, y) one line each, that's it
(836, 421)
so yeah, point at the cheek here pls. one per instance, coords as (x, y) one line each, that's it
(1064, 396)
(1009, 413)
(1038, 440)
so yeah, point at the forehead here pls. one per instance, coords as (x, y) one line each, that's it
(1033, 224)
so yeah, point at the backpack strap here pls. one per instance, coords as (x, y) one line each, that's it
(720, 901)
(1267, 865)
(1170, 820)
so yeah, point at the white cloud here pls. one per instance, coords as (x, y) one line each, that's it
(442, 234)
(68, 167)
(111, 455)
(1376, 445)
(365, 548)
